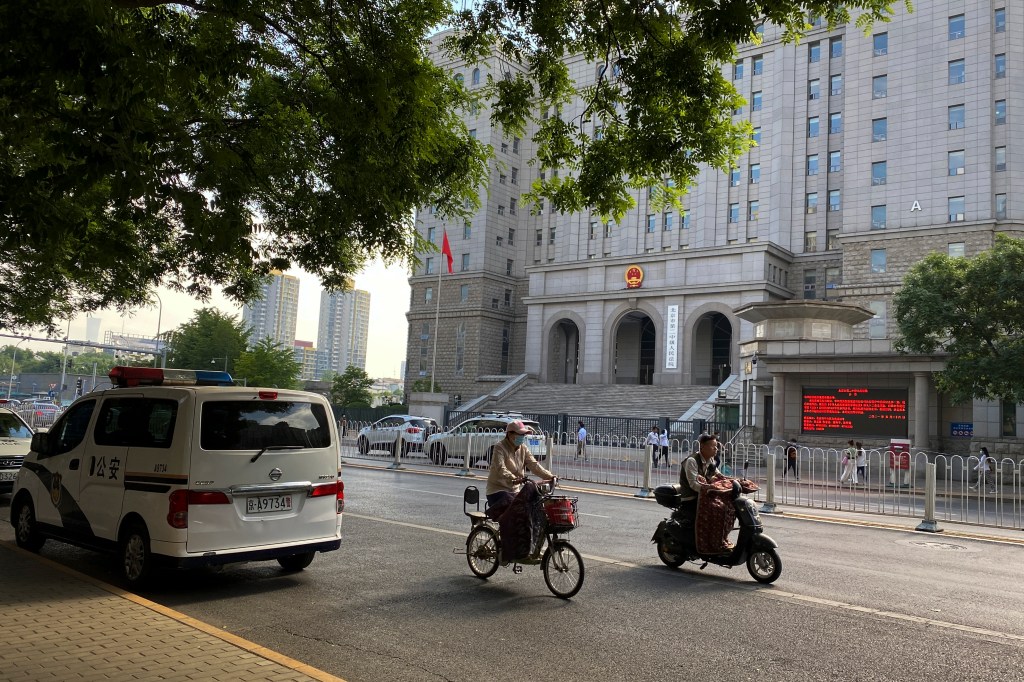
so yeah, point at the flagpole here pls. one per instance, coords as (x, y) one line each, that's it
(437, 315)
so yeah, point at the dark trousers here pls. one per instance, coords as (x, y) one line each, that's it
(791, 466)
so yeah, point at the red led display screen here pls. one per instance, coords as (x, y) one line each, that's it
(855, 412)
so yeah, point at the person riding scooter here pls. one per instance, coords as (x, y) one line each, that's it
(700, 465)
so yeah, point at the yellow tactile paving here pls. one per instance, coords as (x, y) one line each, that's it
(58, 624)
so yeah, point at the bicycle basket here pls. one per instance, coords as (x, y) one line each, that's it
(561, 513)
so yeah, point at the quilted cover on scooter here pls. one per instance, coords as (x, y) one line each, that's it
(522, 525)
(715, 517)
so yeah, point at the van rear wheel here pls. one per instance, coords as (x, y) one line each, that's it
(296, 562)
(136, 559)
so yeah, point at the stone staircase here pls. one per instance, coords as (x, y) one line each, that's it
(608, 400)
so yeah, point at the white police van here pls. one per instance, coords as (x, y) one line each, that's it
(183, 468)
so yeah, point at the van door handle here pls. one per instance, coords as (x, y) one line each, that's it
(73, 465)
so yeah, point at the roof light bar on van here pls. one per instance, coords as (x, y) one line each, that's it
(124, 377)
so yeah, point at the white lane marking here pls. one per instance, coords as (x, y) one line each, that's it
(429, 492)
(766, 592)
(597, 516)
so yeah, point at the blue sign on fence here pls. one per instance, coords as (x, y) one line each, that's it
(961, 429)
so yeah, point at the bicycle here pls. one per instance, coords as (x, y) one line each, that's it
(560, 562)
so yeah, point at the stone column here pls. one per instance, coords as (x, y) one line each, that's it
(778, 407)
(921, 410)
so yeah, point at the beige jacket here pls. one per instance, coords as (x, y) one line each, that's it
(509, 463)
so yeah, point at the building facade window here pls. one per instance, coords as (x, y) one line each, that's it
(734, 213)
(509, 266)
(428, 294)
(501, 209)
(836, 85)
(999, 18)
(879, 172)
(753, 208)
(506, 346)
(956, 161)
(514, 176)
(1000, 112)
(460, 348)
(511, 236)
(756, 101)
(957, 116)
(428, 266)
(812, 164)
(957, 25)
(836, 47)
(878, 217)
(465, 262)
(463, 293)
(835, 123)
(835, 161)
(432, 235)
(755, 173)
(552, 234)
(879, 129)
(955, 250)
(508, 298)
(756, 136)
(810, 285)
(957, 71)
(513, 206)
(835, 200)
(686, 220)
(810, 242)
(1008, 417)
(734, 177)
(813, 125)
(1000, 158)
(652, 222)
(515, 145)
(833, 276)
(813, 52)
(957, 209)
(880, 44)
(1000, 66)
(592, 232)
(832, 240)
(877, 324)
(757, 65)
(878, 261)
(880, 87)
(1000, 207)
(539, 241)
(737, 71)
(467, 230)
(814, 89)
(811, 202)
(667, 221)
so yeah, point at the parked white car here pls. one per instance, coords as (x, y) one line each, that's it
(383, 433)
(15, 442)
(475, 436)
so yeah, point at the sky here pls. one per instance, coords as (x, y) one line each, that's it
(389, 302)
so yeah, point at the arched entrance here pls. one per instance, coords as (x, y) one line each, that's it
(634, 350)
(712, 349)
(563, 352)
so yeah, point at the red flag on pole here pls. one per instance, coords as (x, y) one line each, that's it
(446, 250)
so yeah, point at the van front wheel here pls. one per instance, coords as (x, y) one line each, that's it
(26, 534)
(296, 562)
(136, 560)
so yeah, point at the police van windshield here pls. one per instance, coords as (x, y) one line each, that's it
(249, 425)
(12, 427)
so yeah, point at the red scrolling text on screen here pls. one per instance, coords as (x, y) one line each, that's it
(855, 412)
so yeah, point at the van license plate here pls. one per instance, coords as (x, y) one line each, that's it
(8, 475)
(268, 503)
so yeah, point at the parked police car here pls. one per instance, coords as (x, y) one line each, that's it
(471, 440)
(182, 468)
(15, 440)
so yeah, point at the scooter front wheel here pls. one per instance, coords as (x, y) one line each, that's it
(669, 557)
(482, 551)
(765, 565)
(563, 569)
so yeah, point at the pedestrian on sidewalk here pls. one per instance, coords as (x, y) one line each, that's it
(663, 442)
(792, 455)
(983, 469)
(581, 442)
(654, 444)
(862, 463)
(849, 463)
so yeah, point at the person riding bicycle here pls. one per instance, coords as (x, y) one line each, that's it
(510, 460)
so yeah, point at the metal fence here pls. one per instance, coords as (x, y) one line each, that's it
(621, 460)
(37, 418)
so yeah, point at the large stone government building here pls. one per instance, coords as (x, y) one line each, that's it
(872, 151)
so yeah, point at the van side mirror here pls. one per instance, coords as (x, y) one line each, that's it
(41, 443)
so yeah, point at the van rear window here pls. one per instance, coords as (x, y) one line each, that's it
(251, 425)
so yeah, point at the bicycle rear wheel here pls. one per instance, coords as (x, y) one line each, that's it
(482, 551)
(563, 569)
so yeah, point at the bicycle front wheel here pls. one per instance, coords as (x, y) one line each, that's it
(482, 552)
(563, 569)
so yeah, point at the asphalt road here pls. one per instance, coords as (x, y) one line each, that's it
(396, 603)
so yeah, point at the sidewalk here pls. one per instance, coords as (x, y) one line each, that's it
(58, 624)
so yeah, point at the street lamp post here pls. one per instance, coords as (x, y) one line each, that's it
(14, 360)
(159, 318)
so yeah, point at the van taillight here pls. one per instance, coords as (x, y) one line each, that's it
(179, 501)
(337, 488)
(268, 395)
(341, 496)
